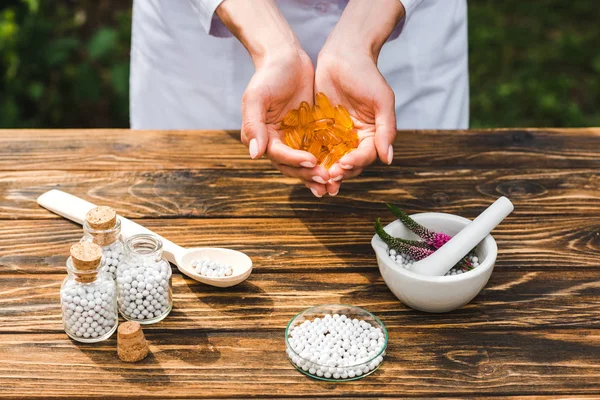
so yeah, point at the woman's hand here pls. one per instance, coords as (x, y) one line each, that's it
(278, 86)
(347, 73)
(284, 77)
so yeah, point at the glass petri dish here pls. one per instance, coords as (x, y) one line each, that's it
(329, 372)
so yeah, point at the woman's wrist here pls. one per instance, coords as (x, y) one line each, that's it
(261, 28)
(364, 27)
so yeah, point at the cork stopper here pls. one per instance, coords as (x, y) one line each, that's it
(131, 343)
(86, 256)
(104, 225)
(101, 218)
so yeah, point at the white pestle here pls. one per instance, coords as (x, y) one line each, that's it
(75, 209)
(464, 241)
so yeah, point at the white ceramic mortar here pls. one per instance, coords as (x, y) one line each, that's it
(435, 293)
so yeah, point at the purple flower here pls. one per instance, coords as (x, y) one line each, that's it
(417, 250)
(434, 239)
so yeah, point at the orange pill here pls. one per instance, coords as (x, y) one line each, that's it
(329, 160)
(317, 113)
(342, 116)
(293, 138)
(323, 102)
(330, 137)
(340, 150)
(304, 114)
(315, 148)
(340, 131)
(323, 123)
(307, 139)
(291, 118)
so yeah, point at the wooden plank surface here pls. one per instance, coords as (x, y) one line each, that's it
(533, 331)
(512, 302)
(106, 149)
(249, 193)
(280, 245)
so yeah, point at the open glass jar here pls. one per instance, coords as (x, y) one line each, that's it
(103, 227)
(144, 281)
(88, 296)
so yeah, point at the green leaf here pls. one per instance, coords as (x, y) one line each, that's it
(33, 5)
(102, 43)
(58, 51)
(36, 90)
(119, 78)
(87, 84)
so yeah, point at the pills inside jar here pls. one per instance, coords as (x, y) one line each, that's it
(113, 255)
(144, 291)
(144, 281)
(103, 227)
(88, 296)
(211, 268)
(89, 312)
(336, 346)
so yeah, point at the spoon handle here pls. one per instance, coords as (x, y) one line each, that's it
(464, 241)
(73, 208)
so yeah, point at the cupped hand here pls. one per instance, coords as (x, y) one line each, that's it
(354, 81)
(280, 84)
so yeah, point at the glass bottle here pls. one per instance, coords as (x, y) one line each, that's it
(103, 227)
(88, 296)
(144, 281)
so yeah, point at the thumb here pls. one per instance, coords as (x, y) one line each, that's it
(254, 129)
(385, 128)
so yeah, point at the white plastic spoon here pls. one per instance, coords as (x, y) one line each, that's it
(75, 209)
(464, 241)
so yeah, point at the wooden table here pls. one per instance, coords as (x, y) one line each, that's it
(534, 330)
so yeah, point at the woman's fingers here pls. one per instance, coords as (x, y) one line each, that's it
(317, 189)
(364, 155)
(318, 186)
(316, 174)
(333, 187)
(280, 153)
(254, 128)
(338, 174)
(385, 126)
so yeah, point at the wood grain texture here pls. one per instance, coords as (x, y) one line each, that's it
(249, 193)
(281, 245)
(114, 149)
(512, 301)
(533, 331)
(221, 364)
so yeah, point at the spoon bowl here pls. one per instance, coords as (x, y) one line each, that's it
(239, 262)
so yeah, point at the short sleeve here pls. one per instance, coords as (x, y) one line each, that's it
(208, 18)
(409, 8)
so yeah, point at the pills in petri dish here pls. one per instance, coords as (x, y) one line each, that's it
(336, 347)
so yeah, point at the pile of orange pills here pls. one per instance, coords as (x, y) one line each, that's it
(324, 131)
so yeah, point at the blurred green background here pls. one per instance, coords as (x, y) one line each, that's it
(65, 63)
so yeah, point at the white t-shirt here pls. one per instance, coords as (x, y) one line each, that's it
(189, 72)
